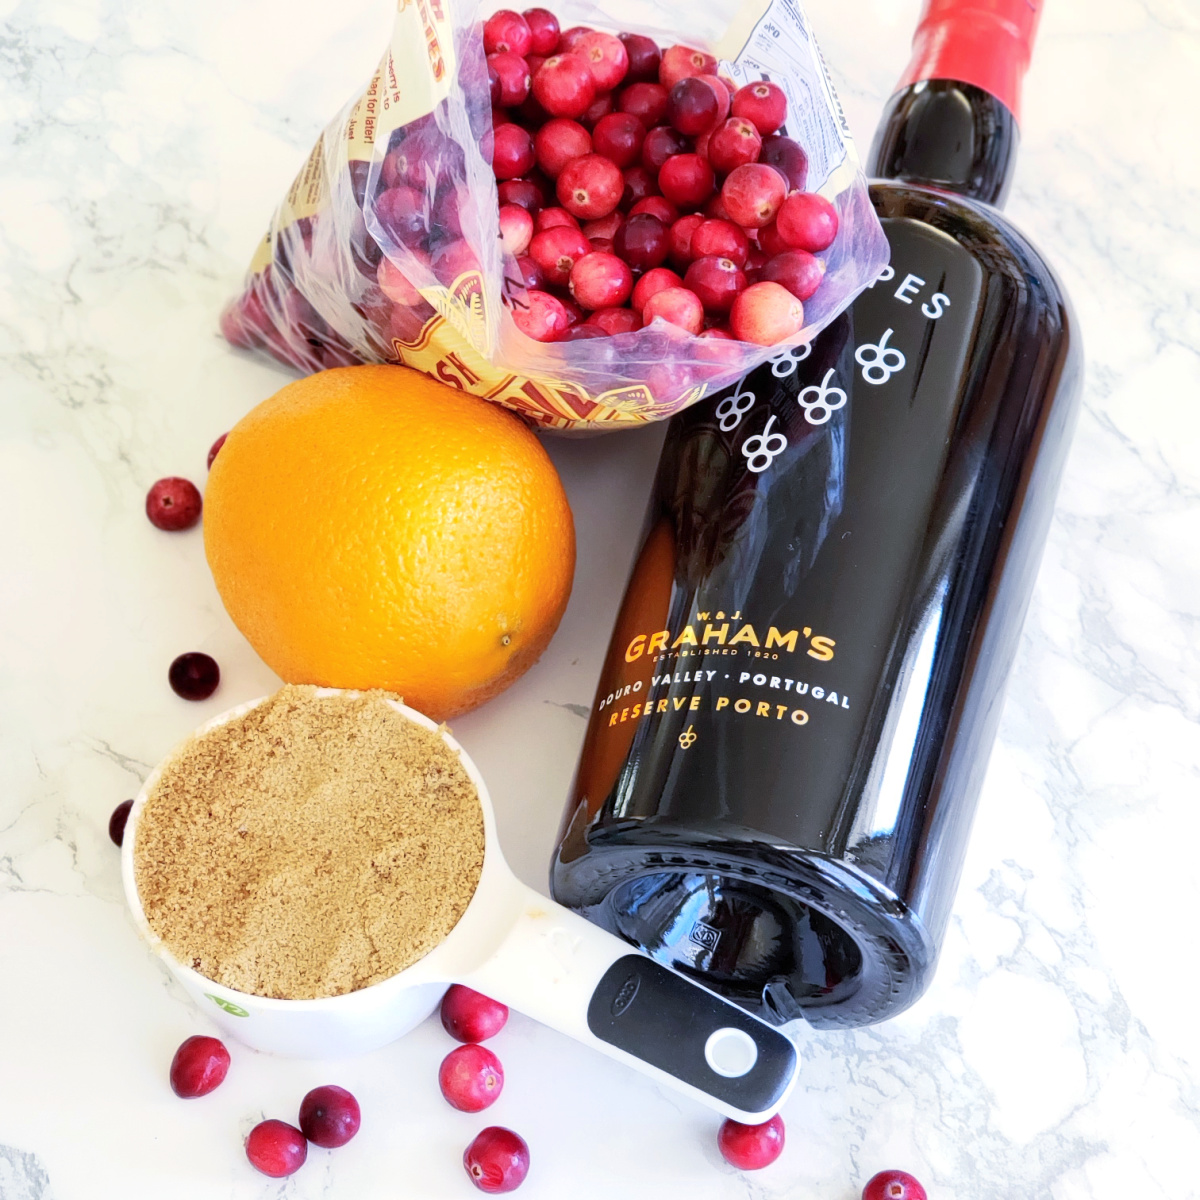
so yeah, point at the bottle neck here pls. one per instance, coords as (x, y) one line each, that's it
(953, 121)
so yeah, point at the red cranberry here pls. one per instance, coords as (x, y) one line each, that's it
(401, 214)
(557, 251)
(570, 38)
(194, 676)
(533, 61)
(797, 270)
(646, 101)
(584, 332)
(770, 241)
(656, 206)
(524, 192)
(723, 94)
(573, 311)
(513, 153)
(734, 145)
(495, 92)
(543, 30)
(678, 306)
(680, 62)
(563, 86)
(199, 1067)
(749, 1147)
(514, 75)
(600, 107)
(717, 281)
(551, 218)
(559, 141)
(590, 187)
(116, 823)
(788, 158)
(670, 382)
(753, 194)
(650, 284)
(756, 259)
(507, 30)
(612, 321)
(763, 104)
(662, 142)
(276, 1148)
(543, 318)
(642, 242)
(718, 333)
(692, 107)
(329, 1116)
(173, 504)
(681, 239)
(807, 221)
(639, 183)
(531, 274)
(619, 136)
(607, 58)
(686, 180)
(644, 57)
(453, 260)
(715, 209)
(471, 1078)
(516, 228)
(604, 227)
(766, 313)
(893, 1185)
(497, 1160)
(723, 238)
(215, 449)
(600, 280)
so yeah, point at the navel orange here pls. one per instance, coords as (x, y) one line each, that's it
(368, 527)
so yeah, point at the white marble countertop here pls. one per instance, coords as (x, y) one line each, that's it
(1057, 1053)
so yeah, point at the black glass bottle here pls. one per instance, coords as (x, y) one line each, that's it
(794, 718)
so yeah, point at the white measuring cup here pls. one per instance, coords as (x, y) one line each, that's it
(524, 950)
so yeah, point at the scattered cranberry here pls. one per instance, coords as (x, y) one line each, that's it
(646, 101)
(516, 228)
(716, 281)
(893, 1185)
(471, 1078)
(788, 158)
(276, 1148)
(571, 38)
(497, 1160)
(524, 192)
(600, 107)
(797, 270)
(600, 280)
(644, 57)
(194, 676)
(807, 221)
(723, 95)
(173, 504)
(750, 1147)
(771, 242)
(681, 239)
(585, 332)
(514, 76)
(639, 184)
(513, 153)
(611, 321)
(651, 284)
(557, 251)
(733, 145)
(558, 142)
(686, 180)
(470, 1016)
(199, 1066)
(116, 823)
(619, 136)
(662, 143)
(677, 306)
(642, 242)
(543, 30)
(763, 104)
(590, 187)
(603, 227)
(507, 30)
(563, 86)
(692, 107)
(766, 313)
(656, 206)
(753, 194)
(531, 274)
(215, 448)
(679, 62)
(551, 218)
(715, 236)
(606, 57)
(543, 318)
(329, 1116)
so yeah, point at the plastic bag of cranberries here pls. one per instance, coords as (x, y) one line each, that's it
(575, 217)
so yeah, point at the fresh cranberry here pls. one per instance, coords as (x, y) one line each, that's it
(557, 250)
(524, 192)
(573, 311)
(116, 823)
(650, 284)
(723, 94)
(678, 306)
(788, 158)
(619, 136)
(497, 1160)
(606, 57)
(670, 382)
(453, 203)
(543, 317)
(644, 57)
(531, 274)
(686, 180)
(750, 1147)
(642, 242)
(563, 85)
(513, 152)
(276, 1148)
(516, 228)
(715, 209)
(590, 187)
(600, 107)
(807, 221)
(680, 62)
(797, 270)
(639, 184)
(753, 194)
(543, 30)
(471, 1078)
(766, 313)
(612, 321)
(329, 1116)
(570, 38)
(583, 332)
(756, 259)
(199, 1067)
(604, 227)
(495, 92)
(718, 333)
(600, 280)
(763, 104)
(717, 281)
(646, 101)
(558, 142)
(601, 245)
(401, 214)
(681, 239)
(453, 260)
(215, 449)
(173, 504)
(533, 61)
(194, 676)
(656, 206)
(893, 1185)
(513, 72)
(723, 238)
(661, 143)
(734, 145)
(551, 218)
(507, 30)
(692, 107)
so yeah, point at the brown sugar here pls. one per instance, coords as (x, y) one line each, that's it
(311, 847)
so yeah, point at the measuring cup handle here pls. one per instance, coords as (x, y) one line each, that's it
(573, 976)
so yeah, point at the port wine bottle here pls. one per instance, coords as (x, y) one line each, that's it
(792, 725)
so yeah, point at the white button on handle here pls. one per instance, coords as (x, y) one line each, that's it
(730, 1052)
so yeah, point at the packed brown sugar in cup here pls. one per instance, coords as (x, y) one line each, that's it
(311, 847)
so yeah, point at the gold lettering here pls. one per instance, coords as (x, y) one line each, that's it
(613, 719)
(822, 648)
(799, 716)
(742, 706)
(722, 702)
(662, 705)
(720, 634)
(785, 641)
(636, 647)
(763, 709)
(686, 638)
(658, 641)
(745, 634)
(780, 709)
(677, 702)
(624, 714)
(695, 704)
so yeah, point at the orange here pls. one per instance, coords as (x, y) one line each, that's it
(368, 527)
